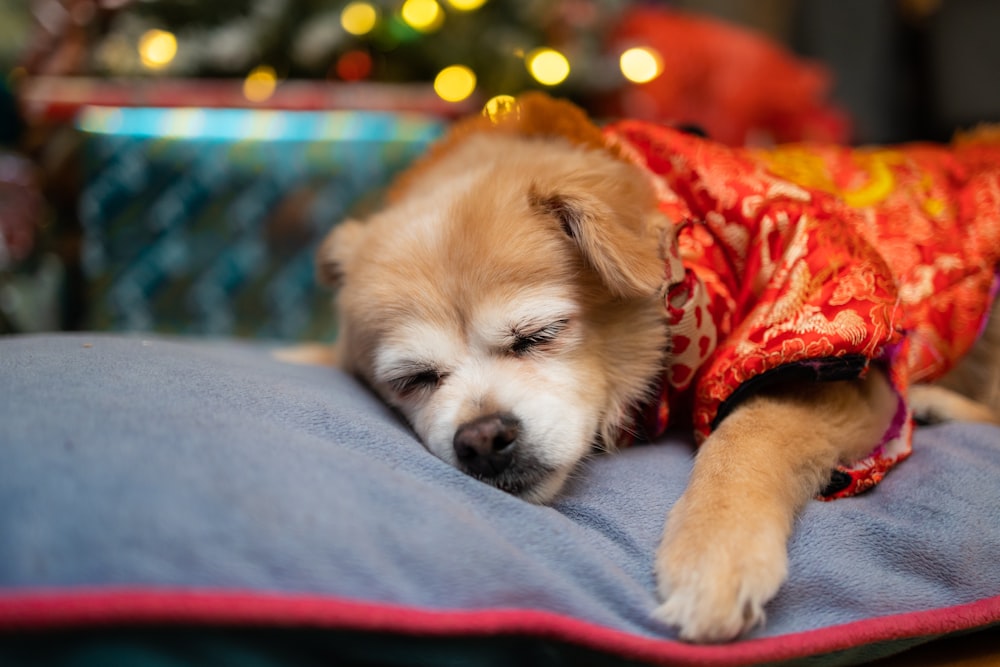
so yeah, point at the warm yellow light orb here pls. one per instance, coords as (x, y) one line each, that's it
(260, 83)
(499, 106)
(548, 66)
(455, 83)
(466, 5)
(157, 48)
(422, 15)
(641, 64)
(358, 18)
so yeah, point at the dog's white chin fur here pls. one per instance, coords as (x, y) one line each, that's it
(546, 491)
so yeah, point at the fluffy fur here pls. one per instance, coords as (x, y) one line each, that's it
(509, 303)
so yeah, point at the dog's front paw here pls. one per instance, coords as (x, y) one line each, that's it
(715, 580)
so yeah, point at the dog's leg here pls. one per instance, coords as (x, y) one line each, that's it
(933, 403)
(723, 554)
(308, 354)
(971, 391)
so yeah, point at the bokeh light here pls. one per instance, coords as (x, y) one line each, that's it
(548, 66)
(499, 106)
(455, 83)
(354, 66)
(422, 15)
(359, 18)
(466, 5)
(641, 64)
(157, 48)
(260, 83)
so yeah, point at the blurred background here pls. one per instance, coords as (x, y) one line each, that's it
(170, 165)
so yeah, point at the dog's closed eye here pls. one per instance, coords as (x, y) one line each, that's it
(528, 340)
(416, 380)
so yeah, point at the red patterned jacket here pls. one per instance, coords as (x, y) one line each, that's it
(818, 261)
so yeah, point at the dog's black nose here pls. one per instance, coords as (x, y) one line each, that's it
(485, 445)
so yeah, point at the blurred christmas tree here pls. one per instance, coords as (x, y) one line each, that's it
(466, 46)
(433, 59)
(614, 57)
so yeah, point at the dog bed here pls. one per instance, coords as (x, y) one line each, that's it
(197, 501)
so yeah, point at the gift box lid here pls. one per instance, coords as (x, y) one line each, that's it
(61, 98)
(258, 124)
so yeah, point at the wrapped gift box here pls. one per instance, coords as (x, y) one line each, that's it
(205, 221)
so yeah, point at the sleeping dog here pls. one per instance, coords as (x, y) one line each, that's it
(538, 288)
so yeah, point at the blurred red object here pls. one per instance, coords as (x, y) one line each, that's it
(20, 209)
(740, 87)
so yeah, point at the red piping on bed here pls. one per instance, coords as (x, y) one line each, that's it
(77, 608)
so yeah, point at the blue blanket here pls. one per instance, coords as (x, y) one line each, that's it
(193, 481)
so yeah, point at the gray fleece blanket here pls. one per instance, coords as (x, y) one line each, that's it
(175, 481)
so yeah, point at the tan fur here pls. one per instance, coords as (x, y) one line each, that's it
(535, 115)
(533, 203)
(977, 376)
(723, 554)
(309, 354)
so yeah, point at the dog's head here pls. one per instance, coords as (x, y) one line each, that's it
(506, 300)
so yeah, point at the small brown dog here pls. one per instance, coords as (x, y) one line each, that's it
(525, 293)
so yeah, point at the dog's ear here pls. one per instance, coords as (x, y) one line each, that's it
(617, 230)
(335, 253)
